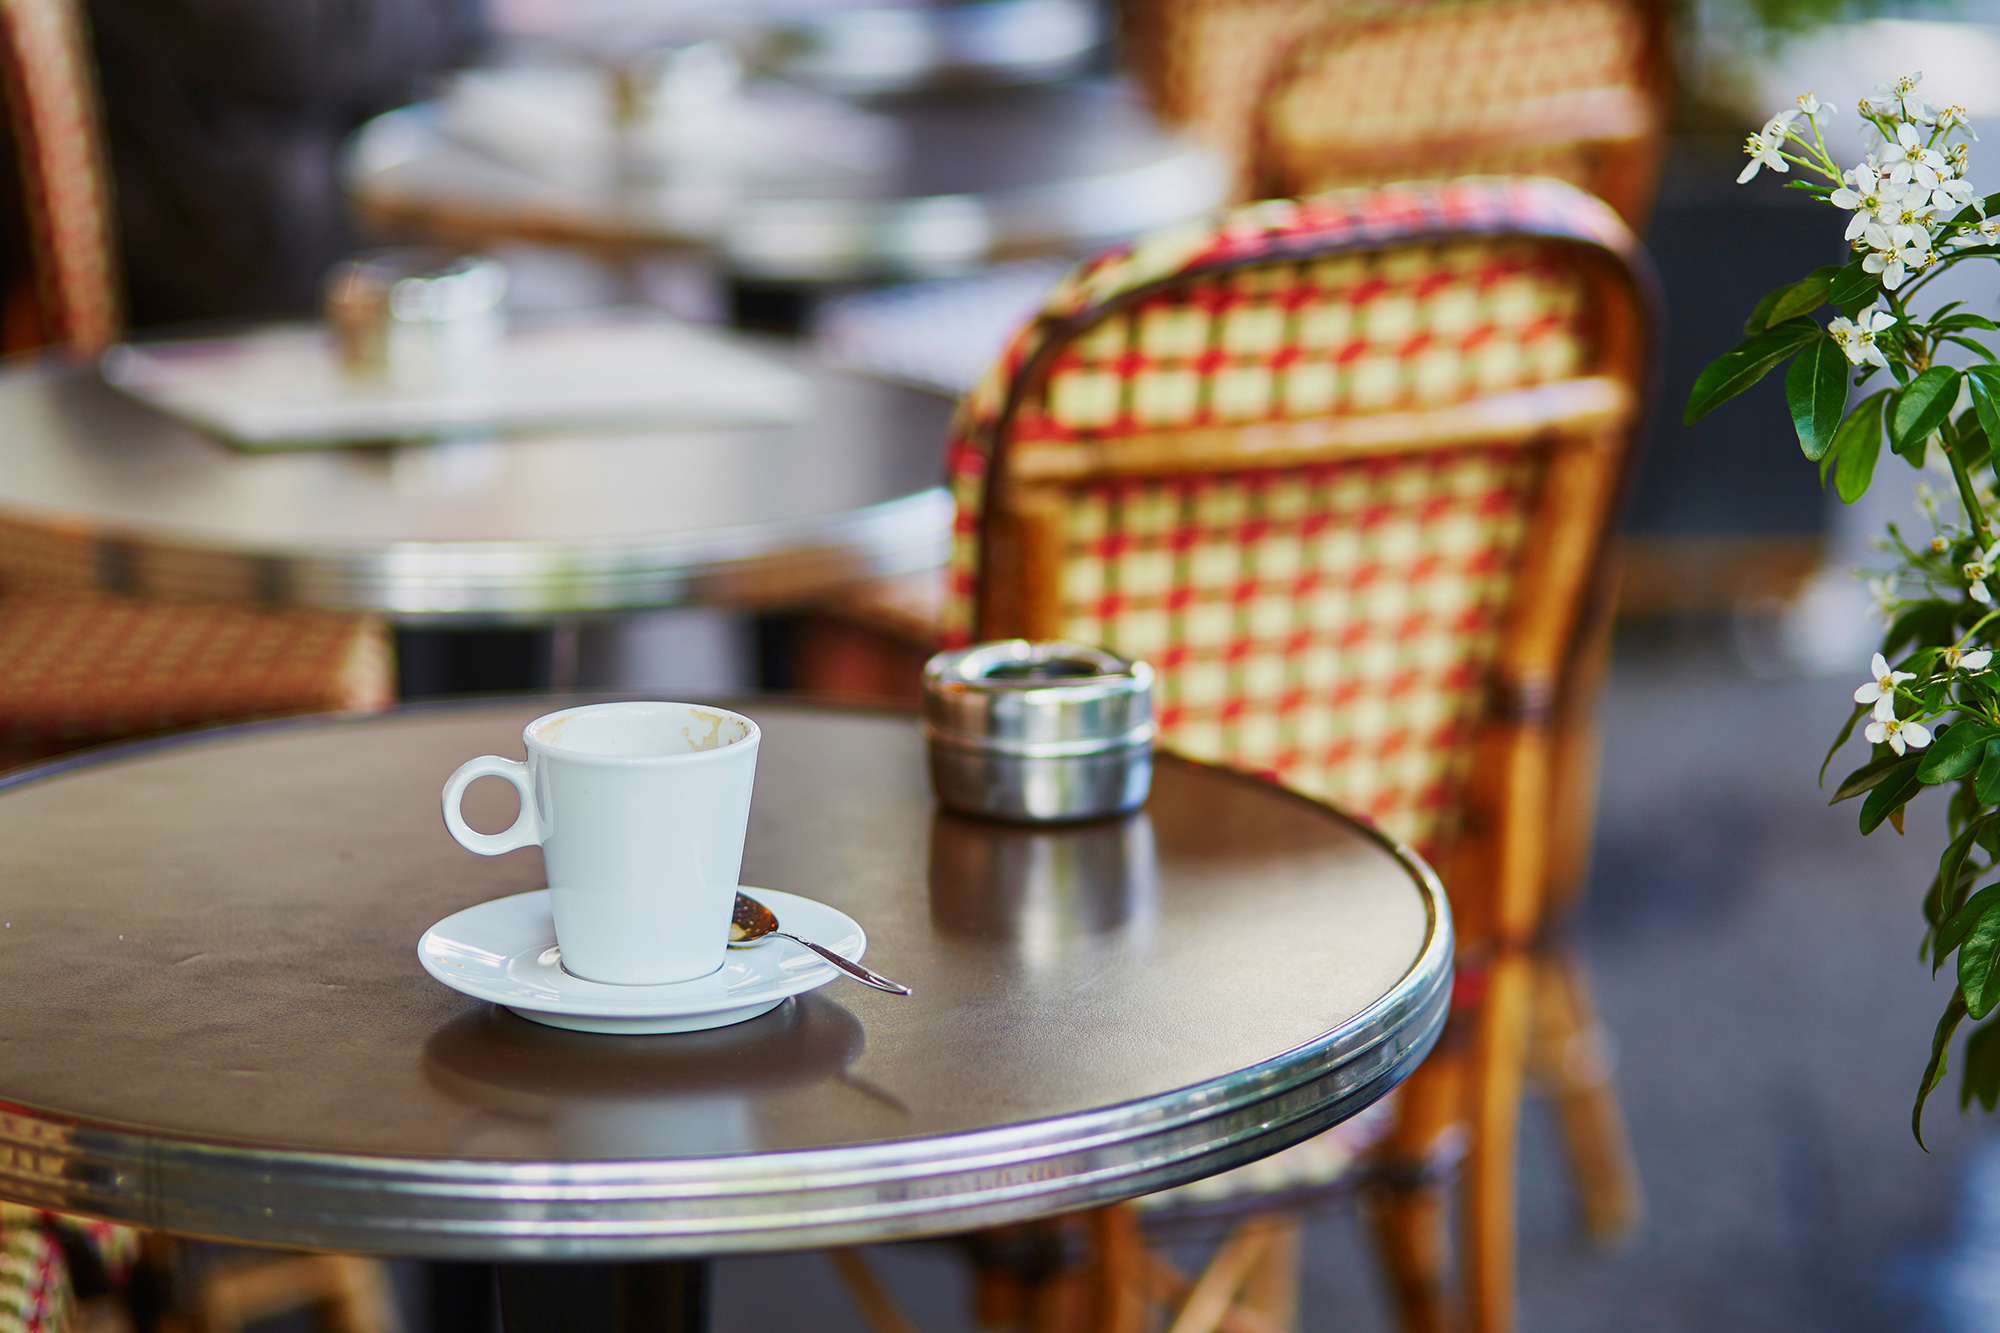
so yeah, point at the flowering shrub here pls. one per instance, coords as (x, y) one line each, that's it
(1933, 718)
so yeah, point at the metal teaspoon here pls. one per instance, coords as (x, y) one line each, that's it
(752, 921)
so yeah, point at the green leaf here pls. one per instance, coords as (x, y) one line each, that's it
(1984, 381)
(1981, 1075)
(1745, 364)
(1928, 621)
(1960, 923)
(1972, 343)
(1970, 441)
(1951, 869)
(1897, 786)
(1867, 777)
(1860, 711)
(1801, 298)
(1854, 286)
(1816, 391)
(1760, 314)
(1955, 752)
(1954, 323)
(1934, 1071)
(1987, 787)
(1922, 408)
(1858, 443)
(1979, 963)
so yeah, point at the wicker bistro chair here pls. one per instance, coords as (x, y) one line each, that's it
(1342, 470)
(79, 666)
(1372, 92)
(1576, 89)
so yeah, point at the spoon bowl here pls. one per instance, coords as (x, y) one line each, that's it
(751, 922)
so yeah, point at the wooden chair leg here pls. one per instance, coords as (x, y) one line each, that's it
(1410, 1206)
(1272, 1288)
(1498, 1065)
(1214, 1292)
(1119, 1276)
(1568, 1057)
(870, 1297)
(350, 1293)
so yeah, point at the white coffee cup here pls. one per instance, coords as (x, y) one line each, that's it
(640, 810)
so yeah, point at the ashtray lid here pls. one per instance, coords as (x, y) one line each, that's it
(1016, 693)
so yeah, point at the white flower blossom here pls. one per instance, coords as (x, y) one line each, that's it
(1812, 106)
(1763, 150)
(1896, 249)
(1957, 659)
(1866, 192)
(1857, 338)
(1881, 691)
(1987, 232)
(1899, 734)
(1978, 570)
(1909, 160)
(1953, 118)
(1901, 101)
(1882, 597)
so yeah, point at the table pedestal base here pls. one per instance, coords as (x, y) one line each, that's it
(666, 1297)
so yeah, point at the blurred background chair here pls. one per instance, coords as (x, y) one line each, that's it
(1343, 471)
(1579, 90)
(1307, 97)
(79, 667)
(1574, 89)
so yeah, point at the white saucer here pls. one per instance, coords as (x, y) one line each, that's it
(505, 951)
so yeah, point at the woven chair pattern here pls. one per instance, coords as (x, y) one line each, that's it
(1326, 624)
(35, 1289)
(49, 95)
(1444, 65)
(1564, 88)
(1205, 63)
(77, 668)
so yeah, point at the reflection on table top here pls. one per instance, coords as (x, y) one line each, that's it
(920, 185)
(216, 1022)
(97, 489)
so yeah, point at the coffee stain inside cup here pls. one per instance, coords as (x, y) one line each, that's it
(713, 740)
(550, 732)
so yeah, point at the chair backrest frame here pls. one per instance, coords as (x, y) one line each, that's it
(51, 101)
(1010, 555)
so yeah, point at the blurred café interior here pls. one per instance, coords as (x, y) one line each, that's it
(424, 364)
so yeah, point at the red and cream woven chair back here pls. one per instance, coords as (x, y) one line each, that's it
(78, 665)
(1427, 89)
(1205, 64)
(1312, 462)
(51, 102)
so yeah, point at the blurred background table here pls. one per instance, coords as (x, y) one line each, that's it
(98, 490)
(226, 924)
(929, 183)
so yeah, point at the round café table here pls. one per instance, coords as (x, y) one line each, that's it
(216, 1024)
(100, 490)
(1059, 168)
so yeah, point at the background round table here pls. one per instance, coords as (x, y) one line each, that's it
(100, 490)
(1060, 168)
(216, 1022)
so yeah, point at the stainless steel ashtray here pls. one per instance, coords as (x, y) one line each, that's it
(1039, 731)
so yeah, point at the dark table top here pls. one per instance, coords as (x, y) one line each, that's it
(98, 488)
(216, 1022)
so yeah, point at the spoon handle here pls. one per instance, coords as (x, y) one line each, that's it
(855, 970)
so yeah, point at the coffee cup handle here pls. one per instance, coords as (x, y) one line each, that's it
(526, 830)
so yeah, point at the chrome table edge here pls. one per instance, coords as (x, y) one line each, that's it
(499, 1209)
(444, 582)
